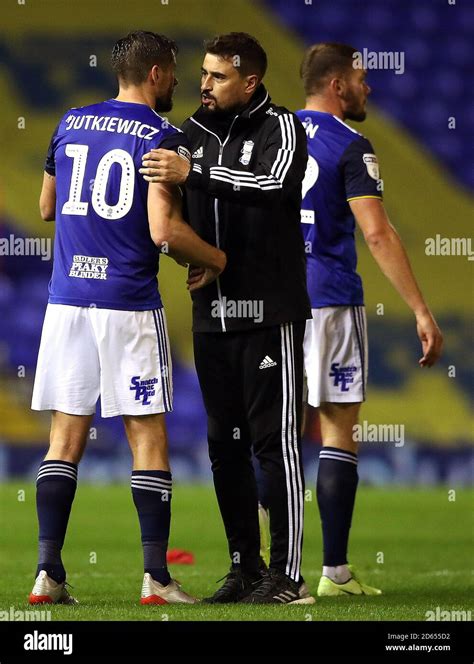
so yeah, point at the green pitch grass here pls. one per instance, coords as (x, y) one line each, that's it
(414, 544)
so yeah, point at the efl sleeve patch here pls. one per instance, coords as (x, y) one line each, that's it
(372, 165)
(184, 153)
(177, 142)
(360, 170)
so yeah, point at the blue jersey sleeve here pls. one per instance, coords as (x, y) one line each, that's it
(178, 142)
(50, 163)
(360, 169)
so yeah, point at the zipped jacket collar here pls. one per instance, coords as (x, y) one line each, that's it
(257, 106)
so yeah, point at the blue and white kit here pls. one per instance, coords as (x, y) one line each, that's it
(341, 167)
(105, 329)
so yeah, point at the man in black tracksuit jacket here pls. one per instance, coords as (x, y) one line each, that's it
(243, 194)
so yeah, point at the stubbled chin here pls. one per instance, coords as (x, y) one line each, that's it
(356, 117)
(164, 107)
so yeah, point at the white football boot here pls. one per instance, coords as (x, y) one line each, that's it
(47, 591)
(154, 593)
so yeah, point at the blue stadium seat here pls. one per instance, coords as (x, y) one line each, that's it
(437, 39)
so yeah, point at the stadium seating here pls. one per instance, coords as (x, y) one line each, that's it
(407, 123)
(435, 84)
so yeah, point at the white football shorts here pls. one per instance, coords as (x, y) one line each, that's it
(122, 356)
(335, 355)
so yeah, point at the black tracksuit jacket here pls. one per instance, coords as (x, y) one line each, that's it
(243, 195)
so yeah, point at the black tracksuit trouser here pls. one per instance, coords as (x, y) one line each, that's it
(252, 385)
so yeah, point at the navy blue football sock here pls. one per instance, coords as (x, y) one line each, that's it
(151, 491)
(336, 490)
(55, 489)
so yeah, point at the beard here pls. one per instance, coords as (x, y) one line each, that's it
(354, 108)
(164, 103)
(222, 112)
(217, 111)
(355, 115)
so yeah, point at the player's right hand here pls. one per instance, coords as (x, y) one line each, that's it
(198, 277)
(430, 337)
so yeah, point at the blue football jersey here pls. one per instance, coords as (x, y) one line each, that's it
(341, 167)
(103, 254)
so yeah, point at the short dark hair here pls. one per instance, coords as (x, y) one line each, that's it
(252, 57)
(323, 61)
(134, 55)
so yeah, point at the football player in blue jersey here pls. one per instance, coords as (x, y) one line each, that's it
(343, 186)
(105, 332)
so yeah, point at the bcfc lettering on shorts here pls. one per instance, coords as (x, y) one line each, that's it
(343, 376)
(144, 389)
(89, 267)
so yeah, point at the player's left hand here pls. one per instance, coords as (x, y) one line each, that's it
(430, 337)
(164, 166)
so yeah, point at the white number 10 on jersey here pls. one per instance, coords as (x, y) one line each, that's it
(75, 206)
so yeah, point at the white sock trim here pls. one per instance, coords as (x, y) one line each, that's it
(339, 574)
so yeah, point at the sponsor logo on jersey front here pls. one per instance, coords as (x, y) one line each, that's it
(89, 267)
(144, 389)
(246, 152)
(343, 376)
(199, 153)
